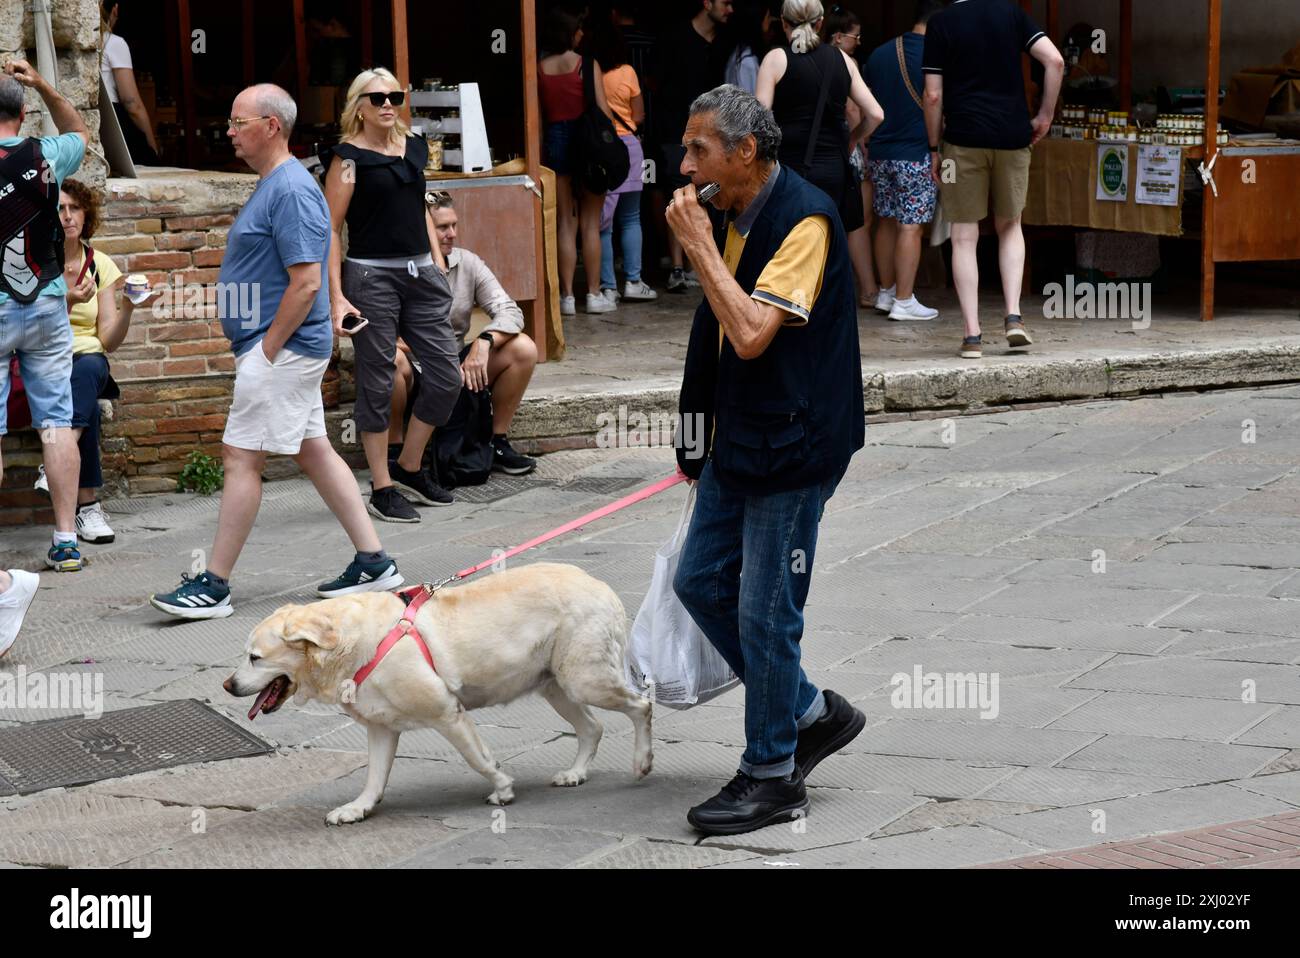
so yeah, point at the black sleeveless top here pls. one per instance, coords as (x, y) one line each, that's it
(386, 216)
(794, 104)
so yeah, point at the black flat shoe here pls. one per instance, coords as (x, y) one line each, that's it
(839, 725)
(746, 804)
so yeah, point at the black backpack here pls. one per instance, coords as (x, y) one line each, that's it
(603, 162)
(463, 447)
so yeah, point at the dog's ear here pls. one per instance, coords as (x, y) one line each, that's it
(310, 625)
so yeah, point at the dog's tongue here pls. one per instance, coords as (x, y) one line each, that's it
(262, 699)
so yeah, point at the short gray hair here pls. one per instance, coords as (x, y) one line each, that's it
(737, 114)
(271, 100)
(12, 98)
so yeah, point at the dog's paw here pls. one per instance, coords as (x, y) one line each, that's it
(641, 766)
(502, 796)
(569, 777)
(347, 814)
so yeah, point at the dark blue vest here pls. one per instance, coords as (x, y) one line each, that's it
(793, 416)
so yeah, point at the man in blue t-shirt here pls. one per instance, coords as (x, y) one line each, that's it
(33, 309)
(274, 308)
(975, 97)
(899, 166)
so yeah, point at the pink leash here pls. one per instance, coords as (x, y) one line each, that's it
(641, 494)
(418, 595)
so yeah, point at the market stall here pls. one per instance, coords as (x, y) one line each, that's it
(1101, 171)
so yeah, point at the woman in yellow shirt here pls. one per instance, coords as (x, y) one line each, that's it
(98, 328)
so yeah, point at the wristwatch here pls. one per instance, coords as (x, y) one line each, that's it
(488, 336)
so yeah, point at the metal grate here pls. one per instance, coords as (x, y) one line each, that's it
(601, 484)
(499, 487)
(78, 751)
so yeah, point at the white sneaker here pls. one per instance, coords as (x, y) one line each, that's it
(610, 294)
(885, 299)
(911, 310)
(597, 303)
(14, 604)
(92, 524)
(638, 291)
(691, 277)
(42, 484)
(568, 307)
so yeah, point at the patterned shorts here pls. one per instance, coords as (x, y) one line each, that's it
(904, 190)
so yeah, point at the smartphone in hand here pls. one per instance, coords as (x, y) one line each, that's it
(353, 323)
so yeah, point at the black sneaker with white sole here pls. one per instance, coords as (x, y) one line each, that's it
(506, 459)
(363, 577)
(391, 506)
(419, 486)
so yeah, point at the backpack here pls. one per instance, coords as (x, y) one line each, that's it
(463, 447)
(603, 162)
(30, 210)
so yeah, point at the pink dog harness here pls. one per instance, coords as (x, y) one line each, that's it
(414, 599)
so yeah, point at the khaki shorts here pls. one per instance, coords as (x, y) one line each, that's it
(966, 199)
(275, 407)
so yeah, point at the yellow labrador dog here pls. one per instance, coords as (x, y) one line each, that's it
(545, 628)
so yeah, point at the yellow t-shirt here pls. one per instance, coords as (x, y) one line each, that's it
(792, 279)
(84, 317)
(620, 86)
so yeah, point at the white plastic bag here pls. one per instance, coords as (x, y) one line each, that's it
(668, 658)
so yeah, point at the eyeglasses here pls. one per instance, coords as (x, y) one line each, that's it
(855, 37)
(396, 98)
(438, 199)
(238, 122)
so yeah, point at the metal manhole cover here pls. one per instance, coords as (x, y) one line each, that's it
(499, 487)
(601, 484)
(78, 751)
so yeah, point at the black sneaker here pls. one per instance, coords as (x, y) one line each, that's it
(745, 804)
(838, 726)
(505, 459)
(390, 505)
(363, 577)
(676, 280)
(419, 486)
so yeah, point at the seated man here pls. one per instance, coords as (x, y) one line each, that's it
(502, 356)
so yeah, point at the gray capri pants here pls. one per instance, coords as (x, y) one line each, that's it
(419, 309)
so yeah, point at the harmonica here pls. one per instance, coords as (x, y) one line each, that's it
(706, 192)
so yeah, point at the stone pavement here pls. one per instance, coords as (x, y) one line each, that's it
(1127, 572)
(634, 357)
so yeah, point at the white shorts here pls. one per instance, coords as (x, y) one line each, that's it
(275, 407)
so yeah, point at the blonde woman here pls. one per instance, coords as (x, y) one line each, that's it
(393, 282)
(817, 147)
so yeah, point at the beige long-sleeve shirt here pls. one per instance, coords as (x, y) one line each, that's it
(472, 284)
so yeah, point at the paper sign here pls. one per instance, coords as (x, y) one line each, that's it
(1159, 175)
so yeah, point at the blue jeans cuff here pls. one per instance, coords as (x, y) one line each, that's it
(776, 770)
(815, 711)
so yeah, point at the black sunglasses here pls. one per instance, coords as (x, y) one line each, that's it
(396, 98)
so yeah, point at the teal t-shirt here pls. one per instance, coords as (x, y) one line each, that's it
(64, 153)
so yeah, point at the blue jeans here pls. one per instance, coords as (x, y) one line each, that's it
(89, 374)
(42, 337)
(627, 218)
(756, 620)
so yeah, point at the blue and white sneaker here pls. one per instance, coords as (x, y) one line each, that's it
(363, 577)
(197, 598)
(64, 557)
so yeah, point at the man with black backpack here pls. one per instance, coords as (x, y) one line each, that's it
(33, 306)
